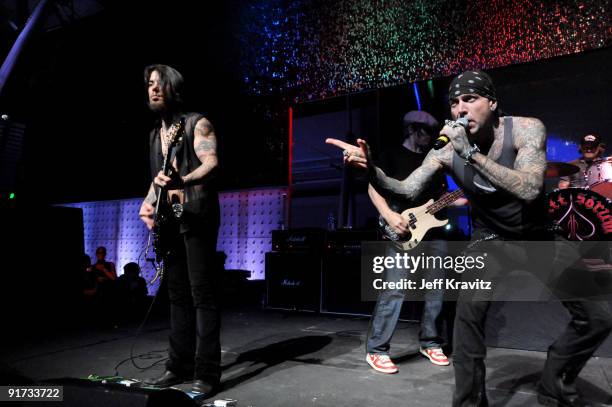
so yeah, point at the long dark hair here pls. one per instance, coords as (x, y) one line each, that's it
(172, 82)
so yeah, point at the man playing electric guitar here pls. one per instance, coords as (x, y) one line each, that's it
(419, 127)
(191, 269)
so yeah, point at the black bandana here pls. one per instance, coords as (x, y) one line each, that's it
(476, 82)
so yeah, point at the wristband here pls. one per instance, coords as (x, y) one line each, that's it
(468, 156)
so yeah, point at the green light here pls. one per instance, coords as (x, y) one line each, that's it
(12, 195)
(430, 87)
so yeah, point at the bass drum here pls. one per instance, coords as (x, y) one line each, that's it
(599, 177)
(580, 214)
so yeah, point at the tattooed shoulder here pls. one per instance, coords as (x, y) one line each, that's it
(204, 127)
(529, 131)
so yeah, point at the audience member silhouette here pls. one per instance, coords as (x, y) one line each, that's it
(131, 291)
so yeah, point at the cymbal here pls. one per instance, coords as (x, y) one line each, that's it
(559, 169)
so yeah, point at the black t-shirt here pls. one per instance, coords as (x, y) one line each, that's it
(399, 164)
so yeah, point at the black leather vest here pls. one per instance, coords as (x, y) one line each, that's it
(201, 206)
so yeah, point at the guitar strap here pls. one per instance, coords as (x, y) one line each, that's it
(175, 148)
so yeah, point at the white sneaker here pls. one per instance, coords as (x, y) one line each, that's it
(435, 356)
(381, 363)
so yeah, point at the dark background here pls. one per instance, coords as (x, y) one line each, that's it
(80, 90)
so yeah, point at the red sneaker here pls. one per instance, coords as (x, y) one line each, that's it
(435, 356)
(381, 363)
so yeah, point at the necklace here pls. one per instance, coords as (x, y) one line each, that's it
(167, 136)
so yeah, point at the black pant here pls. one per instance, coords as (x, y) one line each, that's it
(193, 286)
(591, 323)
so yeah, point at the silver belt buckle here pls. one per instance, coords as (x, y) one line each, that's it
(177, 210)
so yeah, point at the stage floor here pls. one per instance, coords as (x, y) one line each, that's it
(271, 358)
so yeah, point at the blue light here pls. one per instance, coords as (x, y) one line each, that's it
(416, 95)
(559, 149)
(452, 185)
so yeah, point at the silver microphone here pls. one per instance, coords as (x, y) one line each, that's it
(442, 140)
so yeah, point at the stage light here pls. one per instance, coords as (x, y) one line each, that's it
(448, 226)
(417, 96)
(12, 195)
(430, 88)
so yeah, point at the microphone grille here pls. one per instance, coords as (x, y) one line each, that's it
(462, 121)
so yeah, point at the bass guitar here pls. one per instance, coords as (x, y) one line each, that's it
(420, 219)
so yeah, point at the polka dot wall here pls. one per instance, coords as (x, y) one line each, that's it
(312, 49)
(248, 218)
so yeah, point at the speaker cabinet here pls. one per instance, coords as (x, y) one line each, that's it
(293, 281)
(341, 287)
(341, 284)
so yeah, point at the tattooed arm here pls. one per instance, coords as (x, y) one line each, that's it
(359, 156)
(416, 182)
(205, 145)
(147, 209)
(526, 180)
(151, 197)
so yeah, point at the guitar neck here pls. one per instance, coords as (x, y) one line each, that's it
(176, 129)
(445, 200)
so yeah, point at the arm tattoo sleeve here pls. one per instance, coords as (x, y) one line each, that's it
(205, 146)
(151, 197)
(410, 187)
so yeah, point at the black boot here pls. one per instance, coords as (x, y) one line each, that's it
(561, 399)
(165, 380)
(209, 390)
(556, 388)
(470, 383)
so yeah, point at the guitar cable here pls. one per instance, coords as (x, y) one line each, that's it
(142, 324)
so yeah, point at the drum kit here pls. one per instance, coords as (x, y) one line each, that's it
(582, 213)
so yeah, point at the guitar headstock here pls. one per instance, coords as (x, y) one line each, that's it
(175, 131)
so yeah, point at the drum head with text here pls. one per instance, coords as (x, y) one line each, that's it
(580, 213)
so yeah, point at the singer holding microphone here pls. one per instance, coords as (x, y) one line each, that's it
(499, 162)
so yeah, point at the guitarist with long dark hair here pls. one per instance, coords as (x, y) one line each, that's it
(419, 128)
(188, 222)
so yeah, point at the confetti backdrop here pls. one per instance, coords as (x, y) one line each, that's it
(313, 49)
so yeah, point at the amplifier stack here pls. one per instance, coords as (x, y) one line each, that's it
(316, 270)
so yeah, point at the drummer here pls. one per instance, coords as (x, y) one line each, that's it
(591, 148)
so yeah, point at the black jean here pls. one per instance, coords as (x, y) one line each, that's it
(590, 325)
(193, 275)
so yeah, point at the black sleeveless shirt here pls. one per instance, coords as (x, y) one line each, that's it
(494, 208)
(201, 206)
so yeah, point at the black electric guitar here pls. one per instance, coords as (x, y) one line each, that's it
(164, 216)
(420, 220)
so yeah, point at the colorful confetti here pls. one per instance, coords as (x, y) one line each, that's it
(313, 49)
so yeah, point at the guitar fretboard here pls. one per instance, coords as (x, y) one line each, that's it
(444, 201)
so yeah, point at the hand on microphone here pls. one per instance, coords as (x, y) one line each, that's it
(444, 137)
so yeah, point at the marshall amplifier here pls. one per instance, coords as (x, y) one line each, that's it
(293, 281)
(341, 284)
(341, 273)
(298, 240)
